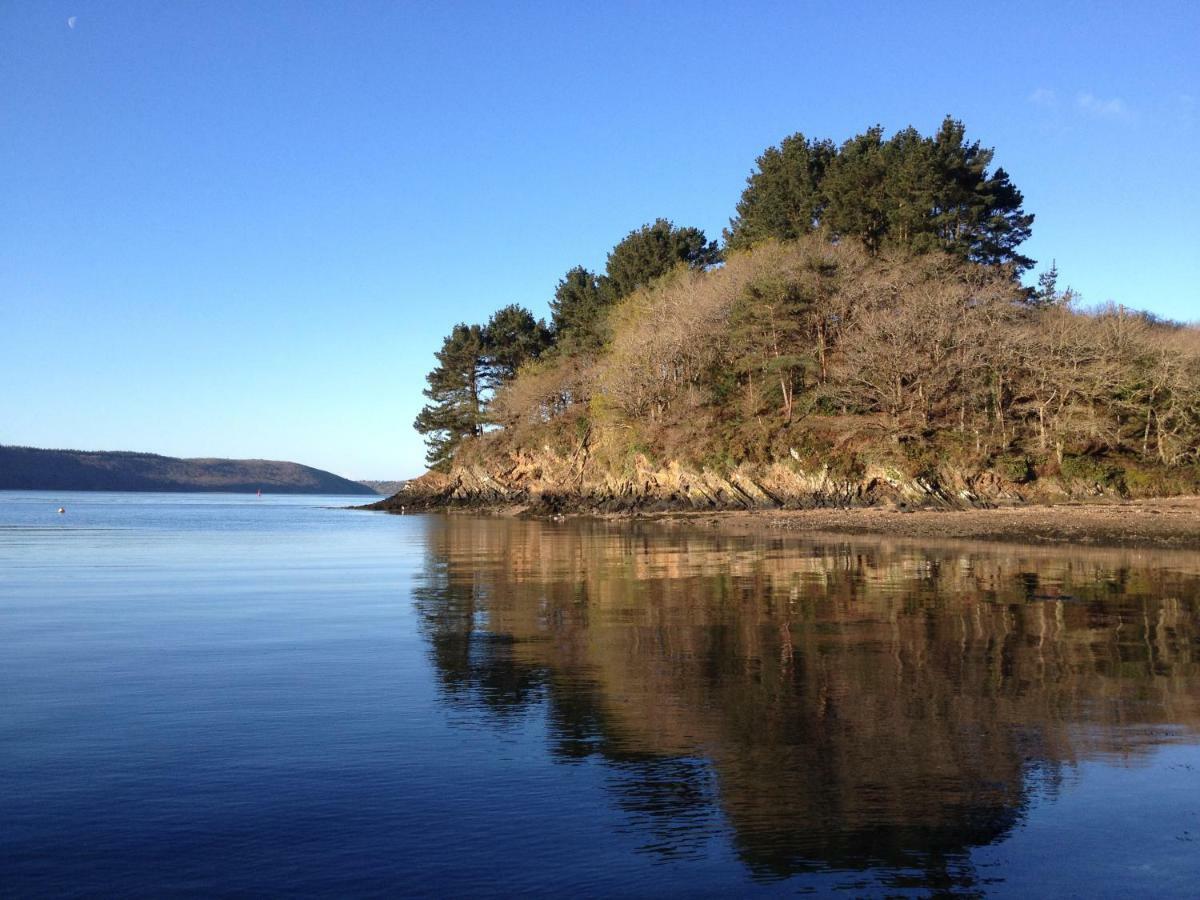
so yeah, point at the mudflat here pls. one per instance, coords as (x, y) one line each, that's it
(1169, 522)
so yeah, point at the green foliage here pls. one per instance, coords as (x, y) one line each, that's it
(1161, 481)
(965, 210)
(473, 362)
(855, 189)
(651, 252)
(910, 192)
(577, 312)
(922, 459)
(1014, 467)
(867, 309)
(582, 298)
(1047, 294)
(1093, 470)
(847, 466)
(455, 391)
(512, 338)
(768, 325)
(719, 461)
(783, 197)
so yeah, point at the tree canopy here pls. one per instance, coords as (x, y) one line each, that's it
(455, 389)
(512, 338)
(652, 251)
(643, 255)
(783, 198)
(798, 316)
(576, 310)
(474, 361)
(909, 192)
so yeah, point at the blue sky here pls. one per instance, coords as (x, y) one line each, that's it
(241, 229)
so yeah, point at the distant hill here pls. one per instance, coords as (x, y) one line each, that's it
(28, 468)
(384, 488)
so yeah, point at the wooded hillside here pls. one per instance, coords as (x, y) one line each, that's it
(865, 309)
(29, 468)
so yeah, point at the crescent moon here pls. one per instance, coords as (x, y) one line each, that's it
(71, 21)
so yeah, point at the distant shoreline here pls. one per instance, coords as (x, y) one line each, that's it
(223, 492)
(37, 469)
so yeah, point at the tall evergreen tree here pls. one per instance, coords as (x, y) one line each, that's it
(455, 390)
(576, 311)
(912, 192)
(646, 253)
(911, 184)
(512, 338)
(768, 325)
(1046, 293)
(652, 251)
(977, 214)
(783, 197)
(856, 190)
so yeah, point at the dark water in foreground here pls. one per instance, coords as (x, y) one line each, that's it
(212, 694)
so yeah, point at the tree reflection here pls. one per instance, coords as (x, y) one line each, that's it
(827, 704)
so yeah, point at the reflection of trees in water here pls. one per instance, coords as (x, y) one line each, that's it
(474, 665)
(858, 707)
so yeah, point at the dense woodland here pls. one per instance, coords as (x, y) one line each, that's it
(865, 304)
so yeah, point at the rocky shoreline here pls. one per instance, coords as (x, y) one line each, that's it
(784, 498)
(1163, 523)
(547, 483)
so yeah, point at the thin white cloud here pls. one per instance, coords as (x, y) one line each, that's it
(1101, 108)
(1043, 97)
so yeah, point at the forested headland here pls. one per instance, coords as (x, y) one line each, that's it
(861, 333)
(35, 469)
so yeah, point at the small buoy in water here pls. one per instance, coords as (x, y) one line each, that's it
(61, 510)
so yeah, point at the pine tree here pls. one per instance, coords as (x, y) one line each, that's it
(768, 325)
(582, 297)
(856, 190)
(651, 252)
(1047, 293)
(783, 198)
(455, 390)
(512, 338)
(576, 311)
(910, 192)
(977, 215)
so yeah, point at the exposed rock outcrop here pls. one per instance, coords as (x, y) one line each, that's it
(546, 482)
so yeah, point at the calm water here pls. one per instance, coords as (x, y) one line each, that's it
(215, 694)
